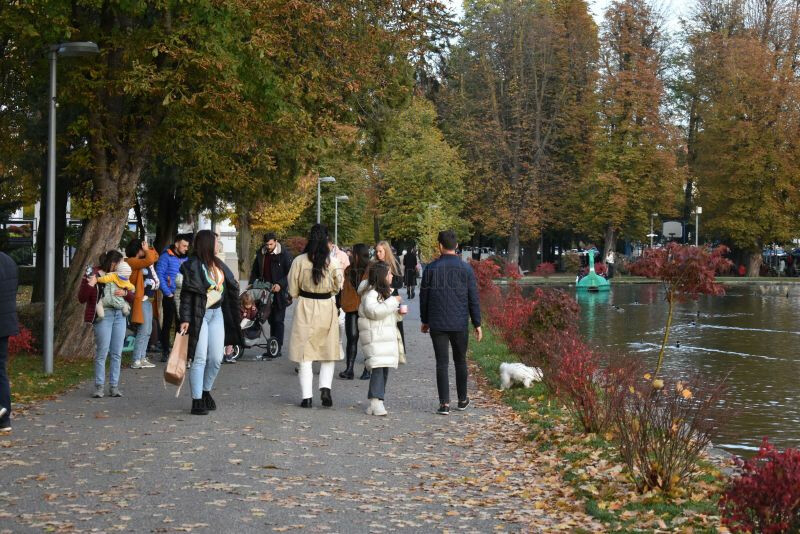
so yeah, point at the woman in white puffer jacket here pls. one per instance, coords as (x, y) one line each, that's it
(378, 335)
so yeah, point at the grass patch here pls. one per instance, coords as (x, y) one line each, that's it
(29, 383)
(608, 496)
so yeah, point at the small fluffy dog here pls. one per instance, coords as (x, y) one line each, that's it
(518, 373)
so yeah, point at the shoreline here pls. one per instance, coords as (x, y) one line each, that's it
(564, 280)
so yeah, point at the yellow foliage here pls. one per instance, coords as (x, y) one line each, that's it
(280, 213)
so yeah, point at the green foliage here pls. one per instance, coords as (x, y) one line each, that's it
(422, 178)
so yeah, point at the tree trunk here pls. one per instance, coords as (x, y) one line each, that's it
(62, 187)
(753, 264)
(73, 336)
(167, 210)
(376, 229)
(244, 242)
(513, 244)
(610, 244)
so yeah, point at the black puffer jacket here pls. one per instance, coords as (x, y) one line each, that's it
(449, 295)
(193, 303)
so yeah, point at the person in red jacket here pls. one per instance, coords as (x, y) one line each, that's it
(109, 332)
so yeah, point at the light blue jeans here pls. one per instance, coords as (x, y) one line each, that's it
(109, 337)
(208, 353)
(143, 331)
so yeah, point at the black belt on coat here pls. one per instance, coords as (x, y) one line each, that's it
(317, 296)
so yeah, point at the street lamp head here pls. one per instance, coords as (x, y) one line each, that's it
(327, 179)
(698, 210)
(655, 215)
(342, 197)
(81, 48)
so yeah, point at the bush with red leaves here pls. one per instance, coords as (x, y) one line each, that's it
(545, 269)
(22, 342)
(553, 314)
(766, 497)
(296, 244)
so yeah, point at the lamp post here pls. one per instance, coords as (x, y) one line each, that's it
(320, 180)
(697, 211)
(336, 217)
(652, 235)
(67, 50)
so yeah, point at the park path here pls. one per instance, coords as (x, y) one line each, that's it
(262, 464)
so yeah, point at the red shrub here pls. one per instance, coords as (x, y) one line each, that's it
(22, 342)
(296, 244)
(553, 315)
(509, 315)
(545, 269)
(766, 497)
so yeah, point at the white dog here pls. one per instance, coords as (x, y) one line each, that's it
(518, 373)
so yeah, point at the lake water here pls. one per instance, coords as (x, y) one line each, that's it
(753, 332)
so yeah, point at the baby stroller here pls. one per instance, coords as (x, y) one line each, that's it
(253, 329)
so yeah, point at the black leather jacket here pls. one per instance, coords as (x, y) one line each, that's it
(192, 309)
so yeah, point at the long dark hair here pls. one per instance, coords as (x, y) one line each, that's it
(377, 279)
(360, 263)
(108, 259)
(205, 249)
(317, 251)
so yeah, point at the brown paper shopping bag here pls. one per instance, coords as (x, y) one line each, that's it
(175, 372)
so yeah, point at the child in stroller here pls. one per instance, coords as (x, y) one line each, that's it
(256, 305)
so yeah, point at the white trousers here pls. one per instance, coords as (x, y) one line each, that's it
(306, 374)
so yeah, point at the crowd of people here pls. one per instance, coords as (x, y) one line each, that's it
(201, 298)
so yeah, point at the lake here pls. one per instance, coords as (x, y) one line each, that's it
(753, 332)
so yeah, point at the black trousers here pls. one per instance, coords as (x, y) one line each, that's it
(170, 312)
(5, 388)
(351, 331)
(276, 318)
(442, 341)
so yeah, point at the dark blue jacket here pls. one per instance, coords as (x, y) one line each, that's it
(9, 277)
(449, 295)
(167, 268)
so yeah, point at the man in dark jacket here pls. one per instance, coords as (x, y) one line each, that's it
(448, 300)
(272, 265)
(9, 326)
(167, 269)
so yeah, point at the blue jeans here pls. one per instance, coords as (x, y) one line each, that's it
(144, 331)
(109, 337)
(208, 353)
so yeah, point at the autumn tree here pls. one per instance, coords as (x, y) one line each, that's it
(511, 82)
(635, 171)
(419, 171)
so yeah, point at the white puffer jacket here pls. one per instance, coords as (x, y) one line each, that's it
(377, 329)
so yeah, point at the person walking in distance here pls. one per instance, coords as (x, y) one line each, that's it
(353, 276)
(9, 326)
(448, 300)
(168, 268)
(410, 267)
(315, 279)
(209, 313)
(272, 264)
(141, 258)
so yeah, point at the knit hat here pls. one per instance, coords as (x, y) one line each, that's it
(123, 270)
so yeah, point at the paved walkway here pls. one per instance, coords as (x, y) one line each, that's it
(262, 464)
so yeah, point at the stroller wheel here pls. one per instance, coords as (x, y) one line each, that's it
(272, 347)
(237, 352)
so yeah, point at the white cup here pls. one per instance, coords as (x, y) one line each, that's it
(403, 309)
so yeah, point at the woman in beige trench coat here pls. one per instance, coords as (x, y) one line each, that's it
(314, 281)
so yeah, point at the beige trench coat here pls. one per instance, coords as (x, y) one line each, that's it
(315, 326)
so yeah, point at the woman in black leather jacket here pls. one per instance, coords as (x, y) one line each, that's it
(209, 314)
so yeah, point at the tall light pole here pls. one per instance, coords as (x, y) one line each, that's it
(652, 234)
(66, 50)
(697, 211)
(320, 180)
(336, 218)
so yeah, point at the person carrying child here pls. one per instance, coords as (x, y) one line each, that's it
(112, 283)
(378, 315)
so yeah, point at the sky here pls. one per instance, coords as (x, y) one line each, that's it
(673, 9)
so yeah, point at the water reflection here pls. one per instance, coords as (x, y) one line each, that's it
(753, 333)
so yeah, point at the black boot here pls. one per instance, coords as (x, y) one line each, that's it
(199, 407)
(366, 375)
(325, 395)
(306, 403)
(348, 373)
(209, 400)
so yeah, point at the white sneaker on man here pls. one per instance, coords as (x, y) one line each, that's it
(147, 363)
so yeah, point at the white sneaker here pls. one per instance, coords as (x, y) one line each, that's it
(147, 363)
(137, 364)
(379, 408)
(371, 407)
